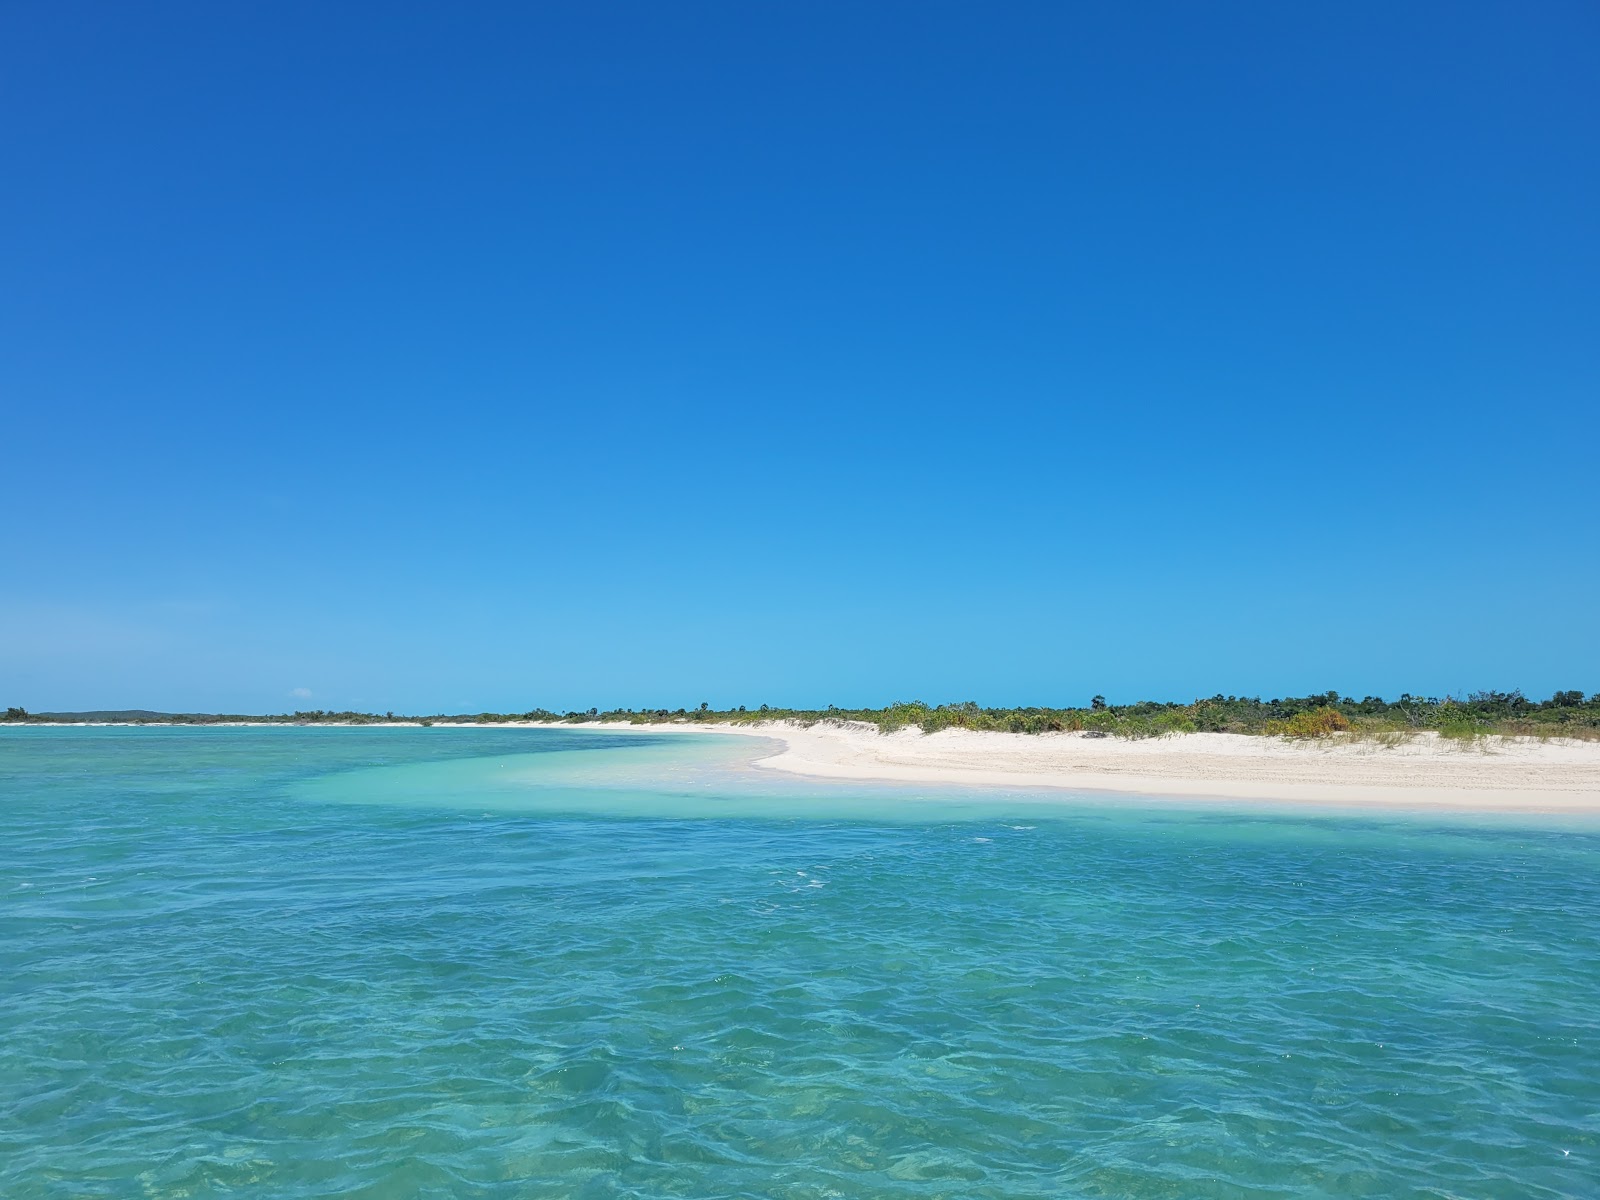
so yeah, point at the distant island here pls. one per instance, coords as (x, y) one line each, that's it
(1480, 714)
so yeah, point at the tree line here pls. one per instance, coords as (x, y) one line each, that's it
(1566, 713)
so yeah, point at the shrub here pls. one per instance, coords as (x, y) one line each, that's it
(1314, 723)
(1462, 728)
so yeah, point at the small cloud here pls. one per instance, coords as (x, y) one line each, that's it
(300, 693)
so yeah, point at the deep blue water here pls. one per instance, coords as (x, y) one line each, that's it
(484, 963)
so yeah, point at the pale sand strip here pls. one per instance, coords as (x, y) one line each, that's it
(1423, 772)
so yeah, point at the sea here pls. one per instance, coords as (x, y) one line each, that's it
(525, 963)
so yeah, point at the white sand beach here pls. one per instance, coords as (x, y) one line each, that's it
(1424, 771)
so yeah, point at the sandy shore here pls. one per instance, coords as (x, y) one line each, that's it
(1423, 772)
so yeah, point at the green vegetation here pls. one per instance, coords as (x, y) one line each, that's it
(1480, 714)
(1323, 721)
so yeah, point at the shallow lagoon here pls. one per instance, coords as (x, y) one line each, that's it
(528, 963)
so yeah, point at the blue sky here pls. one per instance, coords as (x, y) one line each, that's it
(469, 357)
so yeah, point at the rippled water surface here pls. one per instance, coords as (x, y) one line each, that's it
(475, 963)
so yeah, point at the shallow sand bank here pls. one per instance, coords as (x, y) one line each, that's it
(1423, 772)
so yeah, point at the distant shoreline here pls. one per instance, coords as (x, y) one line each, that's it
(1321, 715)
(1424, 772)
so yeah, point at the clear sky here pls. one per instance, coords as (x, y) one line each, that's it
(472, 357)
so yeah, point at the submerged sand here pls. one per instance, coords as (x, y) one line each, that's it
(1422, 771)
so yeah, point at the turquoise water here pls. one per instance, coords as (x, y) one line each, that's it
(480, 963)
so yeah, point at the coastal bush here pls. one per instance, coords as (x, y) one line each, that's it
(1151, 725)
(1461, 727)
(1314, 723)
(1176, 722)
(1100, 724)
